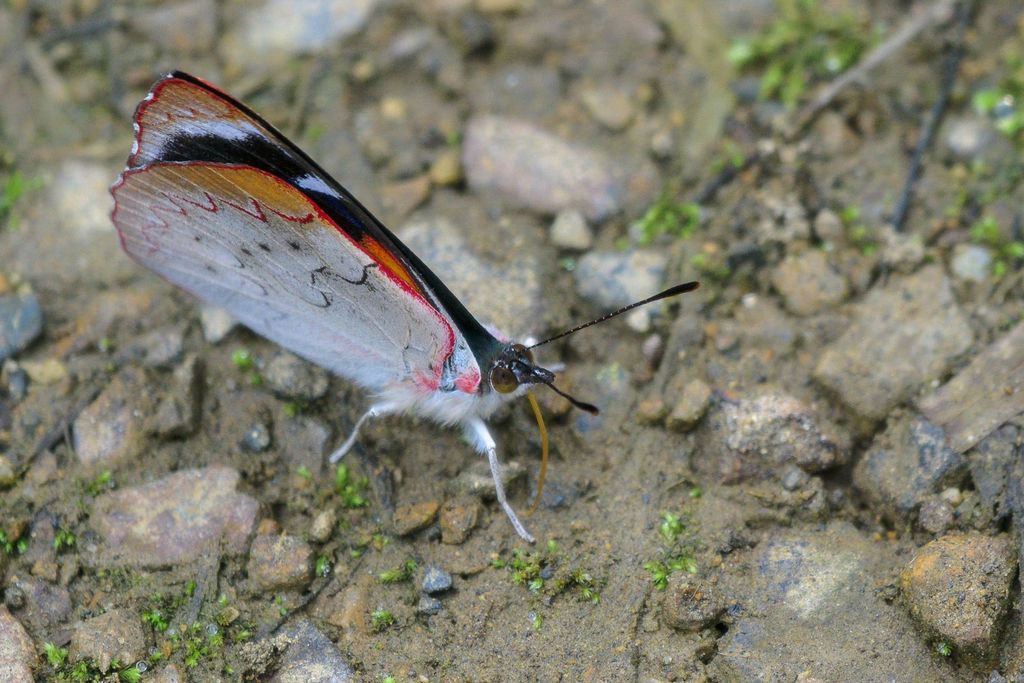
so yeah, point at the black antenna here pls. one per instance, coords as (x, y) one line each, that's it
(671, 291)
(582, 405)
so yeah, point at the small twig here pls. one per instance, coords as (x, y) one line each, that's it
(59, 431)
(950, 69)
(937, 13)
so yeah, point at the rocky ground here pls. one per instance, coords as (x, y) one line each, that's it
(808, 470)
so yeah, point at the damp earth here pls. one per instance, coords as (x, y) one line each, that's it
(807, 470)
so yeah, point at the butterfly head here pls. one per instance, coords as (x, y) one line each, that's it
(514, 367)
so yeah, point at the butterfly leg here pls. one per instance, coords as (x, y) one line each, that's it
(374, 411)
(481, 436)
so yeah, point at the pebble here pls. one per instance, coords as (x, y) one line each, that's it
(446, 168)
(459, 516)
(967, 137)
(958, 589)
(969, 415)
(167, 674)
(691, 604)
(159, 348)
(295, 27)
(435, 580)
(21, 323)
(216, 323)
(518, 303)
(609, 106)
(764, 325)
(651, 411)
(906, 463)
(993, 464)
(819, 587)
(76, 201)
(17, 653)
(323, 525)
(116, 634)
(758, 436)
(14, 380)
(113, 427)
(828, 226)
(402, 197)
(808, 283)
(521, 91)
(295, 378)
(45, 372)
(692, 406)
(44, 605)
(185, 27)
(428, 605)
(476, 479)
(173, 520)
(472, 32)
(615, 278)
(971, 262)
(410, 518)
(902, 336)
(936, 515)
(308, 656)
(569, 230)
(794, 479)
(257, 438)
(177, 413)
(280, 562)
(536, 170)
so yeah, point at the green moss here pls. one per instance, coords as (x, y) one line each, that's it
(381, 619)
(677, 552)
(323, 566)
(1007, 253)
(398, 574)
(667, 217)
(63, 539)
(13, 188)
(350, 489)
(1003, 103)
(806, 44)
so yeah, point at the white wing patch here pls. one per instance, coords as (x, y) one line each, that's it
(241, 239)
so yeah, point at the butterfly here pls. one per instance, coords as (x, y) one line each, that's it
(221, 204)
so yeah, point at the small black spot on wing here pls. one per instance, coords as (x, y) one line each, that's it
(294, 245)
(246, 251)
(264, 246)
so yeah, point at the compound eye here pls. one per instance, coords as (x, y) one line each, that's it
(503, 380)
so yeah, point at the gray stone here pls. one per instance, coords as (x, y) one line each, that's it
(608, 105)
(216, 323)
(428, 605)
(323, 525)
(615, 278)
(256, 438)
(14, 379)
(173, 520)
(309, 657)
(280, 562)
(759, 436)
(992, 465)
(971, 262)
(21, 323)
(763, 325)
(476, 479)
(459, 516)
(526, 91)
(296, 27)
(17, 653)
(46, 606)
(117, 634)
(412, 517)
(188, 27)
(303, 441)
(112, 427)
(958, 589)
(534, 169)
(293, 377)
(967, 138)
(969, 415)
(809, 598)
(570, 231)
(513, 307)
(159, 348)
(435, 580)
(808, 283)
(177, 413)
(906, 463)
(692, 406)
(902, 337)
(936, 515)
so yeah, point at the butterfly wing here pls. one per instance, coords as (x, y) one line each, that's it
(247, 241)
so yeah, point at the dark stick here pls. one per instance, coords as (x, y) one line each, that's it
(950, 69)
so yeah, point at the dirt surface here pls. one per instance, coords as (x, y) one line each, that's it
(780, 485)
